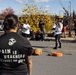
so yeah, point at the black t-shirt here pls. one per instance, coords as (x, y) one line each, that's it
(41, 24)
(13, 50)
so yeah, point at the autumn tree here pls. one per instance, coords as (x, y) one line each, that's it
(6, 12)
(33, 14)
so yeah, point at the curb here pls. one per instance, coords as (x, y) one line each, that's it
(62, 39)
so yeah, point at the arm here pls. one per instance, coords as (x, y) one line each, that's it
(60, 25)
(29, 64)
(29, 27)
(24, 27)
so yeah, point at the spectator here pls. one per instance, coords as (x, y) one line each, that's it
(15, 51)
(41, 26)
(32, 36)
(38, 35)
(65, 24)
(26, 29)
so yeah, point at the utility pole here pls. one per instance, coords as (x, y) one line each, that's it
(70, 8)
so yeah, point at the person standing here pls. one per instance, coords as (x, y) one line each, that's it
(26, 29)
(75, 27)
(57, 33)
(41, 26)
(65, 24)
(15, 50)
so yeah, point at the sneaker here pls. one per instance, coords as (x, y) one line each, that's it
(59, 47)
(55, 48)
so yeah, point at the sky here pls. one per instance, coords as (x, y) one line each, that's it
(53, 6)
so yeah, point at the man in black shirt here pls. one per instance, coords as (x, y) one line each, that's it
(15, 51)
(41, 26)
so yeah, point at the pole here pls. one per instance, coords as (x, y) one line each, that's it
(70, 8)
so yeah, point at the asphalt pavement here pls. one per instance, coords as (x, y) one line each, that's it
(51, 65)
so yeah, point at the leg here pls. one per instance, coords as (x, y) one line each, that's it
(42, 35)
(56, 39)
(59, 40)
(24, 35)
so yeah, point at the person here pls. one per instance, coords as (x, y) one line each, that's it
(38, 35)
(75, 27)
(26, 29)
(57, 33)
(15, 50)
(32, 36)
(1, 26)
(41, 26)
(65, 24)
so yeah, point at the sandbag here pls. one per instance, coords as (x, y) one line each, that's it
(57, 54)
(37, 51)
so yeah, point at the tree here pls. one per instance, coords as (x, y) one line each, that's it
(74, 14)
(33, 14)
(6, 12)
